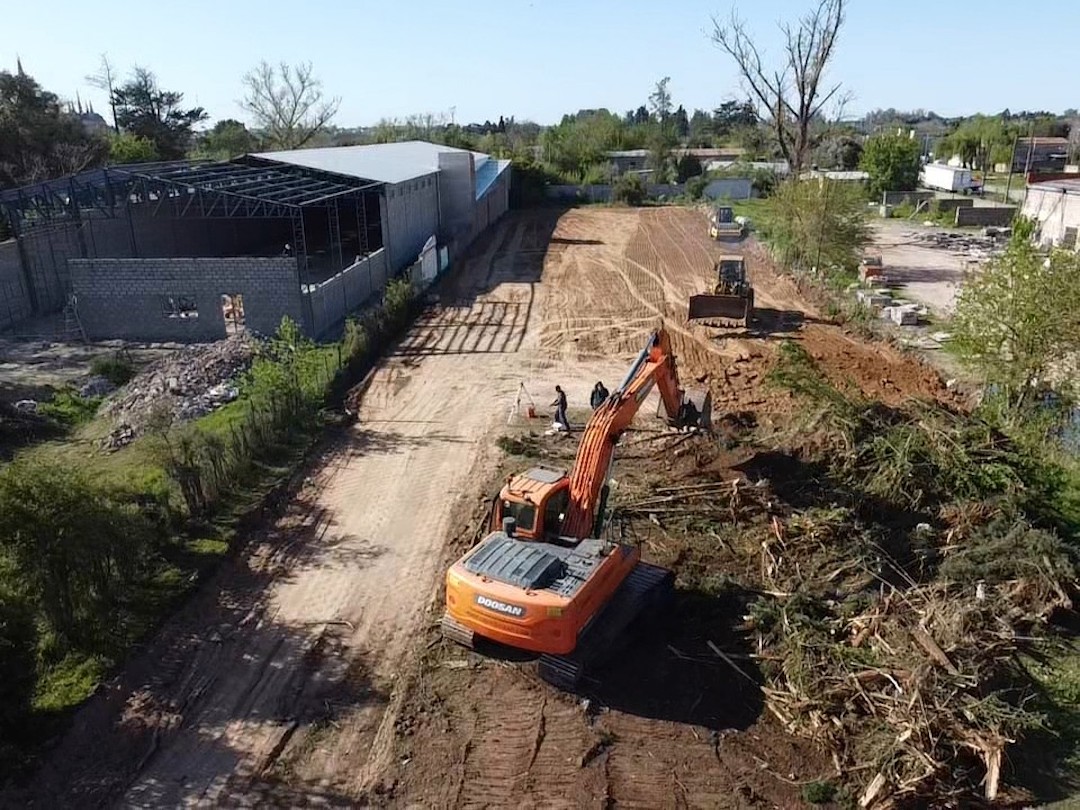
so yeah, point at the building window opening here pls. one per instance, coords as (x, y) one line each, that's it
(179, 306)
(232, 310)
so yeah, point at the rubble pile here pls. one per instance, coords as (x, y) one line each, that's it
(191, 383)
(972, 245)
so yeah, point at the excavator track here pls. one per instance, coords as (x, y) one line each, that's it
(647, 591)
(457, 632)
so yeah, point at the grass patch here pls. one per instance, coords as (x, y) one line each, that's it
(69, 682)
(70, 409)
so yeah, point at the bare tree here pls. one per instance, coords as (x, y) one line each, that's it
(792, 94)
(105, 79)
(287, 102)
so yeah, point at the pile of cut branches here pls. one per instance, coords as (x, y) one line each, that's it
(919, 689)
(912, 676)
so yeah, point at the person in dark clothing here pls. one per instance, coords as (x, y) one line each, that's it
(598, 396)
(560, 408)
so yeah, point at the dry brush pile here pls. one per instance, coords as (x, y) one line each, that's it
(903, 568)
(908, 596)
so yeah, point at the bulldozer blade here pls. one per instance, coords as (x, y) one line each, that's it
(718, 307)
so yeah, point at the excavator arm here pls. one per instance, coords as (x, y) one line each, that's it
(655, 366)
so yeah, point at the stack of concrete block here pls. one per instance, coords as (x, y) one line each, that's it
(873, 298)
(902, 314)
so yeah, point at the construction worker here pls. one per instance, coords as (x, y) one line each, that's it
(560, 408)
(598, 396)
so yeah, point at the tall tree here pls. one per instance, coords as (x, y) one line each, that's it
(682, 122)
(105, 79)
(287, 103)
(38, 140)
(791, 94)
(227, 139)
(661, 138)
(892, 161)
(145, 110)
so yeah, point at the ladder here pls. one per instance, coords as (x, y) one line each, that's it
(73, 328)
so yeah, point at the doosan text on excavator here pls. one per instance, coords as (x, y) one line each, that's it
(543, 580)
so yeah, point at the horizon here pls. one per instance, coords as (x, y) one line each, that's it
(407, 68)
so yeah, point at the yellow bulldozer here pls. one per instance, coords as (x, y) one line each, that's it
(732, 298)
(724, 225)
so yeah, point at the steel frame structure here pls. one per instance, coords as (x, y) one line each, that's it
(249, 187)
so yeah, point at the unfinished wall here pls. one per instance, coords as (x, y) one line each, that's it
(998, 215)
(127, 298)
(900, 197)
(14, 298)
(327, 304)
(952, 203)
(1057, 211)
(412, 216)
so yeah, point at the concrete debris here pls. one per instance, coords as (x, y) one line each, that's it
(96, 387)
(873, 298)
(191, 383)
(122, 436)
(973, 245)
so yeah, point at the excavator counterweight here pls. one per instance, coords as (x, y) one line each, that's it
(542, 580)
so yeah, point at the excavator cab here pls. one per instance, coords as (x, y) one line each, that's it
(535, 503)
(732, 297)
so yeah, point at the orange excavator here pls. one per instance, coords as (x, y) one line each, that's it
(543, 580)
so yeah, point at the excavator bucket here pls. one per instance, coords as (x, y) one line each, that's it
(697, 409)
(720, 307)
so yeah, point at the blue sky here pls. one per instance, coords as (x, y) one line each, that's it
(539, 58)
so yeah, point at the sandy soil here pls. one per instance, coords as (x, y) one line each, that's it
(929, 275)
(291, 678)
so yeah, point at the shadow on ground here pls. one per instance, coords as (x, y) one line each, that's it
(671, 673)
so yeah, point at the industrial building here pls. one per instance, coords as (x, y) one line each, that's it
(187, 251)
(1055, 206)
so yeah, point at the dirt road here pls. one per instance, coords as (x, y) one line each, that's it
(282, 680)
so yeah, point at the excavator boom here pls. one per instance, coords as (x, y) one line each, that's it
(654, 366)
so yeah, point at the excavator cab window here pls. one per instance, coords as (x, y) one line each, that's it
(524, 515)
(554, 512)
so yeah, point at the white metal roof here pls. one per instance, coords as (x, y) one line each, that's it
(381, 162)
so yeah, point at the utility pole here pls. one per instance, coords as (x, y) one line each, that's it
(1012, 161)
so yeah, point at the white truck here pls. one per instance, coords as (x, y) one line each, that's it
(949, 178)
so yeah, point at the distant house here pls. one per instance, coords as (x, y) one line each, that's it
(837, 176)
(778, 167)
(1040, 154)
(637, 160)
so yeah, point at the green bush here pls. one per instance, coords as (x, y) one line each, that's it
(695, 187)
(117, 368)
(819, 792)
(629, 189)
(76, 547)
(68, 408)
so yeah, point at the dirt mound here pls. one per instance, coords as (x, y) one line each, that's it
(190, 383)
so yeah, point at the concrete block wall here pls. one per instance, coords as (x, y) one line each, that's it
(952, 203)
(15, 304)
(327, 304)
(912, 197)
(1055, 211)
(997, 215)
(411, 216)
(124, 298)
